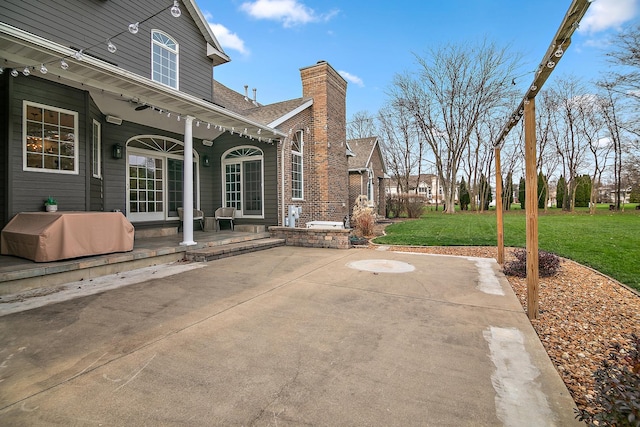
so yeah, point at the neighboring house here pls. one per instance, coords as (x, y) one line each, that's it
(428, 186)
(101, 101)
(367, 173)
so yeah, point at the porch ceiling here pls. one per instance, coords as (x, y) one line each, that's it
(110, 84)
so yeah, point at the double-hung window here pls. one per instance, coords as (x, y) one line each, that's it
(50, 139)
(297, 175)
(164, 59)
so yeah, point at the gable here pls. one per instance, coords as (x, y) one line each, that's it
(362, 148)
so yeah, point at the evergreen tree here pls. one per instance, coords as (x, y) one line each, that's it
(522, 192)
(634, 196)
(465, 199)
(561, 189)
(583, 191)
(542, 191)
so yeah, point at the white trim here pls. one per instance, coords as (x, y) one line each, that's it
(96, 149)
(175, 51)
(299, 154)
(116, 81)
(290, 114)
(223, 166)
(25, 167)
(164, 155)
(213, 46)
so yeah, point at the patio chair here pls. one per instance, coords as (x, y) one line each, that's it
(198, 215)
(225, 214)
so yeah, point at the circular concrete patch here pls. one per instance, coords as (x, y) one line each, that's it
(381, 266)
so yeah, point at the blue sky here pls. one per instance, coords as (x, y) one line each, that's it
(369, 42)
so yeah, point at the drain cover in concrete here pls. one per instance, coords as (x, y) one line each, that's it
(381, 266)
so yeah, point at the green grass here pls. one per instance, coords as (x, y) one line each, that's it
(606, 241)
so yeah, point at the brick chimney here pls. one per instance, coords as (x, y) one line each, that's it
(327, 169)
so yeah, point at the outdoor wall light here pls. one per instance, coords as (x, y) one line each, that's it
(205, 161)
(117, 151)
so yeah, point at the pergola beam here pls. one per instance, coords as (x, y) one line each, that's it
(526, 108)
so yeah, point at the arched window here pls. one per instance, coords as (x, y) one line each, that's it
(164, 59)
(297, 171)
(243, 177)
(155, 170)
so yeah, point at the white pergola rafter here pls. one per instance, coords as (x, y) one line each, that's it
(526, 109)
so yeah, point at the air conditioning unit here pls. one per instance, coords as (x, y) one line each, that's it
(115, 120)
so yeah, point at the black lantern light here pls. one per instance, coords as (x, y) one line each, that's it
(117, 151)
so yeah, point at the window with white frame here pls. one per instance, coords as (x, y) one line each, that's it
(243, 177)
(155, 178)
(297, 175)
(96, 150)
(164, 59)
(50, 141)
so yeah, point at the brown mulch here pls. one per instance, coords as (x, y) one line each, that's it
(582, 314)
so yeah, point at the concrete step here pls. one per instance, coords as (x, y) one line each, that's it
(19, 275)
(222, 251)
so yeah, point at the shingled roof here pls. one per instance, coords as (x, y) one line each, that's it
(241, 104)
(363, 148)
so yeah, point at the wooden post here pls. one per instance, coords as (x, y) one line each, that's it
(531, 206)
(500, 225)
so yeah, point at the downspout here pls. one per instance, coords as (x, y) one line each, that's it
(187, 184)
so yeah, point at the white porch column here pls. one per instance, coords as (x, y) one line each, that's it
(187, 184)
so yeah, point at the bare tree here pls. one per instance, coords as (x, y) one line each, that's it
(590, 125)
(609, 106)
(546, 137)
(479, 160)
(400, 145)
(361, 125)
(456, 87)
(567, 95)
(626, 56)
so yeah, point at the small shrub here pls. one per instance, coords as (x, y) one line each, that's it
(548, 264)
(617, 391)
(415, 206)
(363, 218)
(393, 207)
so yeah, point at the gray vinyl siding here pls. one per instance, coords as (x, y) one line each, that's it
(95, 184)
(83, 23)
(224, 143)
(29, 189)
(114, 170)
(4, 148)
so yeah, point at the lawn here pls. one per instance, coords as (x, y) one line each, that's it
(606, 241)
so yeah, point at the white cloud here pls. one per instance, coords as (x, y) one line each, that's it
(289, 12)
(605, 14)
(227, 39)
(351, 78)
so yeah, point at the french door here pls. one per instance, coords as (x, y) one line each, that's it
(243, 181)
(155, 175)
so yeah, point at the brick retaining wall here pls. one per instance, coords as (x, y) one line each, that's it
(312, 238)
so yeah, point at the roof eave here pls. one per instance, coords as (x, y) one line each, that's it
(22, 48)
(277, 122)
